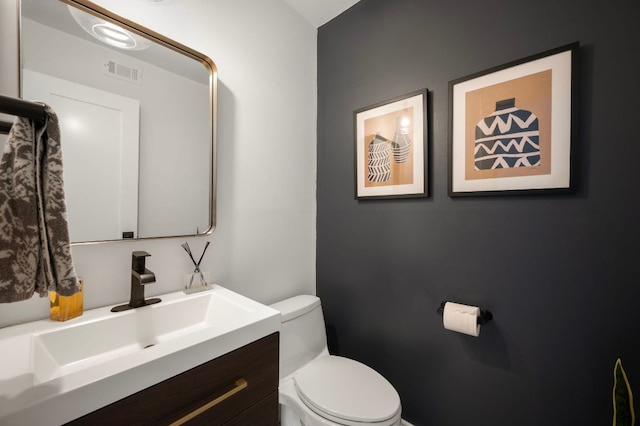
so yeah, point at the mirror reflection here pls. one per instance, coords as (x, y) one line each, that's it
(136, 116)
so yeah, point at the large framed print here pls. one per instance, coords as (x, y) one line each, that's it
(391, 148)
(512, 127)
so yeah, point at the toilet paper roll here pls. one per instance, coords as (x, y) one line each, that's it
(461, 318)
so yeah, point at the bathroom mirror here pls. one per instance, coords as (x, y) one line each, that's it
(137, 117)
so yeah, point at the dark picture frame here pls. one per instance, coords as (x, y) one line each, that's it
(391, 148)
(512, 128)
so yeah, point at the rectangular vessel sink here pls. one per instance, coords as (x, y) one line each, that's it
(111, 355)
(58, 352)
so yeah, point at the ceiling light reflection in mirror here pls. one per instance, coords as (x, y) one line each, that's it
(108, 32)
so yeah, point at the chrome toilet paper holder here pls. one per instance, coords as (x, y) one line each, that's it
(483, 318)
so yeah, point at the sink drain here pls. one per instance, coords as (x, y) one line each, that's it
(148, 346)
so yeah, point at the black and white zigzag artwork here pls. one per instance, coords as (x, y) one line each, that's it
(378, 161)
(507, 138)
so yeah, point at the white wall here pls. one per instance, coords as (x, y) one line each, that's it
(264, 245)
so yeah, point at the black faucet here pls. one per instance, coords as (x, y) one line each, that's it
(140, 276)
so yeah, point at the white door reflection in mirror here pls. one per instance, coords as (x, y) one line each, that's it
(100, 142)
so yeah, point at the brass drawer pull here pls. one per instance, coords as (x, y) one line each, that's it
(239, 385)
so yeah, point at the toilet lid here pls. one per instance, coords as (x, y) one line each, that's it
(347, 390)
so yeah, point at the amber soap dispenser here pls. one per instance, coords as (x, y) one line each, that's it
(63, 308)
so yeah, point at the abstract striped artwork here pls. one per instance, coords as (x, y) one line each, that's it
(507, 138)
(378, 160)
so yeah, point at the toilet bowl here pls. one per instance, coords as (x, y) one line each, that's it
(317, 388)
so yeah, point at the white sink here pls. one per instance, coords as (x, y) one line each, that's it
(58, 352)
(115, 354)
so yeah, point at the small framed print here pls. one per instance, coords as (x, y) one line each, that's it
(391, 148)
(512, 127)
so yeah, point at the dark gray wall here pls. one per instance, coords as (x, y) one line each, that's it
(559, 272)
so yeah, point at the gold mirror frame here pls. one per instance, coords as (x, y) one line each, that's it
(100, 12)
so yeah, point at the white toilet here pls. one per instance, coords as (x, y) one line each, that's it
(317, 388)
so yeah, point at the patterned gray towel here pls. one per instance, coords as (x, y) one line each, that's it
(35, 255)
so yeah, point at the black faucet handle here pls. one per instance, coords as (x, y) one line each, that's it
(137, 261)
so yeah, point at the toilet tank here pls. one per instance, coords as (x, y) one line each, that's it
(302, 335)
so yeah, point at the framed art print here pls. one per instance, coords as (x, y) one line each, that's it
(512, 127)
(391, 148)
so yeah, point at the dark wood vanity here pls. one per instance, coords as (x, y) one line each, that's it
(239, 388)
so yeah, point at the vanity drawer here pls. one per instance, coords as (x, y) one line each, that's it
(261, 414)
(240, 383)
